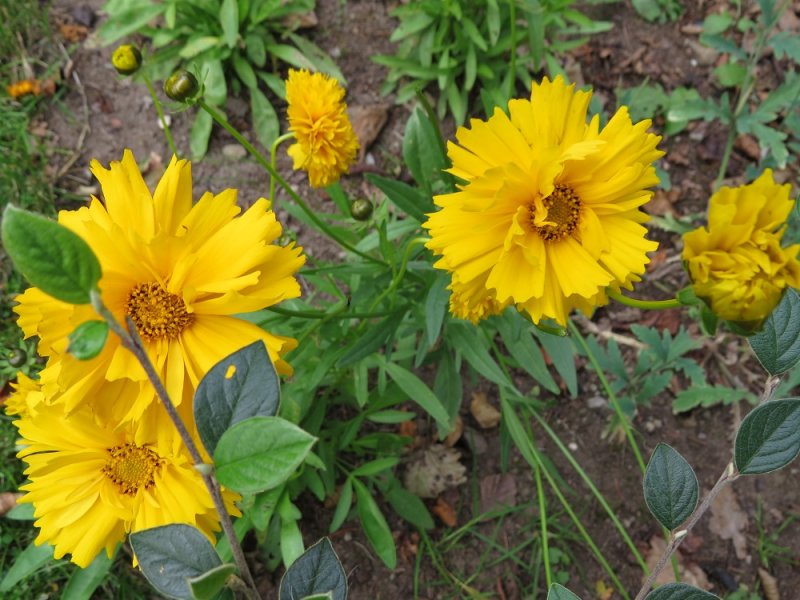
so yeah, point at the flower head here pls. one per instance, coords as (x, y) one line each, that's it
(736, 263)
(92, 482)
(179, 272)
(126, 59)
(548, 215)
(326, 144)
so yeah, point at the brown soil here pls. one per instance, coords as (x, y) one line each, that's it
(120, 115)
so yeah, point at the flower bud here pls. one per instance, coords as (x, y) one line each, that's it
(126, 59)
(181, 86)
(361, 209)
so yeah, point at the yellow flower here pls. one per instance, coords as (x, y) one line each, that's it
(92, 482)
(736, 263)
(548, 217)
(26, 397)
(179, 271)
(326, 143)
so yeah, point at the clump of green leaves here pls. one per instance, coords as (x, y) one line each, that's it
(486, 45)
(659, 11)
(231, 46)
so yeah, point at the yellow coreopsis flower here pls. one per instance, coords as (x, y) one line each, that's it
(548, 217)
(326, 144)
(179, 271)
(92, 482)
(26, 396)
(736, 263)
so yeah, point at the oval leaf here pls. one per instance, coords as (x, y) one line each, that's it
(50, 256)
(88, 339)
(210, 583)
(260, 453)
(679, 591)
(559, 592)
(777, 345)
(769, 437)
(670, 487)
(241, 385)
(170, 555)
(317, 571)
(375, 525)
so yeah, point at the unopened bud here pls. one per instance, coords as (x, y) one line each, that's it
(361, 209)
(126, 59)
(181, 86)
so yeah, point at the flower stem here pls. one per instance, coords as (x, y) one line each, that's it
(644, 304)
(273, 151)
(260, 159)
(130, 340)
(161, 117)
(548, 571)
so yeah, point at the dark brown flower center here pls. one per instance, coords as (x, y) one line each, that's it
(157, 313)
(131, 468)
(563, 214)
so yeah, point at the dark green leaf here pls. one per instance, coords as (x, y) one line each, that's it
(707, 396)
(421, 150)
(210, 583)
(375, 526)
(260, 453)
(88, 339)
(670, 487)
(372, 340)
(769, 437)
(524, 349)
(777, 345)
(416, 390)
(241, 385)
(373, 467)
(679, 591)
(435, 309)
(317, 571)
(408, 199)
(83, 582)
(409, 507)
(472, 346)
(562, 353)
(172, 554)
(343, 506)
(26, 563)
(50, 256)
(559, 592)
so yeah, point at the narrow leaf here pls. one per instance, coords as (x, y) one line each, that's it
(27, 562)
(229, 19)
(466, 338)
(420, 393)
(265, 120)
(408, 199)
(777, 345)
(375, 526)
(317, 571)
(88, 339)
(769, 437)
(679, 591)
(670, 487)
(83, 582)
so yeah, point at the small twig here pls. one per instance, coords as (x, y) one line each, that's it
(624, 340)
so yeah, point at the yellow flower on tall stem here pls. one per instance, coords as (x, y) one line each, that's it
(736, 263)
(548, 215)
(180, 272)
(325, 143)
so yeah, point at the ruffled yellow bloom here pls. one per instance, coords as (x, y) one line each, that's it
(736, 263)
(548, 217)
(26, 396)
(93, 482)
(179, 271)
(326, 144)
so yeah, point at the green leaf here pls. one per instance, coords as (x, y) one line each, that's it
(416, 390)
(200, 134)
(717, 23)
(731, 74)
(706, 396)
(27, 562)
(260, 453)
(375, 526)
(374, 338)
(786, 43)
(467, 340)
(244, 71)
(777, 345)
(21, 512)
(265, 120)
(242, 385)
(88, 339)
(317, 571)
(559, 592)
(670, 487)
(523, 348)
(215, 88)
(172, 554)
(291, 539)
(769, 437)
(83, 582)
(229, 19)
(679, 591)
(436, 303)
(373, 467)
(408, 199)
(210, 583)
(199, 44)
(129, 21)
(50, 256)
(421, 150)
(409, 507)
(562, 353)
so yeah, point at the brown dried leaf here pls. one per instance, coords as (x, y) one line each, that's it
(749, 146)
(445, 512)
(729, 521)
(367, 121)
(485, 414)
(436, 469)
(73, 32)
(455, 434)
(8, 500)
(497, 491)
(769, 585)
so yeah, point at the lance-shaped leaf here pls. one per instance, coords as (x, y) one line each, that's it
(317, 572)
(241, 385)
(559, 592)
(679, 591)
(769, 437)
(670, 487)
(50, 256)
(375, 526)
(171, 555)
(88, 339)
(777, 345)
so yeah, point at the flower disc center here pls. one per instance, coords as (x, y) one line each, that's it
(131, 468)
(563, 214)
(157, 313)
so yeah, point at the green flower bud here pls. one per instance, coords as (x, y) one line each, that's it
(126, 59)
(181, 86)
(361, 209)
(17, 358)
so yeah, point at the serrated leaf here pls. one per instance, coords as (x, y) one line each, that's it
(242, 385)
(172, 554)
(50, 256)
(706, 396)
(769, 437)
(317, 571)
(559, 592)
(260, 453)
(680, 591)
(210, 583)
(88, 339)
(375, 526)
(777, 345)
(670, 487)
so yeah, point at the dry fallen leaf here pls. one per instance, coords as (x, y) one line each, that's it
(8, 500)
(445, 512)
(729, 521)
(497, 491)
(769, 585)
(436, 469)
(690, 572)
(73, 32)
(367, 121)
(485, 414)
(455, 434)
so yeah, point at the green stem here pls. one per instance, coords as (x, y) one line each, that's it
(548, 574)
(399, 275)
(261, 160)
(272, 160)
(644, 304)
(161, 117)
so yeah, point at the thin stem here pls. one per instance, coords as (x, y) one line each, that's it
(644, 304)
(161, 117)
(399, 275)
(131, 341)
(261, 160)
(273, 151)
(548, 574)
